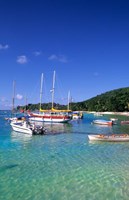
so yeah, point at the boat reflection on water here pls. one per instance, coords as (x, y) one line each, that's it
(20, 137)
(55, 128)
(52, 128)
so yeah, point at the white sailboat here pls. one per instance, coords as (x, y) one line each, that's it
(52, 115)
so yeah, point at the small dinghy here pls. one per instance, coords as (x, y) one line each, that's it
(103, 122)
(109, 138)
(125, 122)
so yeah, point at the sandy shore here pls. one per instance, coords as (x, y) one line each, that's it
(110, 113)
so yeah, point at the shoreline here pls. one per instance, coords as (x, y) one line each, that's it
(109, 113)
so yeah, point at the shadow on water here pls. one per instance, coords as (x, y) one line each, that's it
(56, 128)
(7, 167)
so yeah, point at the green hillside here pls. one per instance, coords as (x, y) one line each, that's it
(115, 101)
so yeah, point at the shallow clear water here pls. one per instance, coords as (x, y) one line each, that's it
(63, 165)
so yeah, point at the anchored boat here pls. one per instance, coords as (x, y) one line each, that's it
(103, 122)
(27, 128)
(109, 138)
(52, 115)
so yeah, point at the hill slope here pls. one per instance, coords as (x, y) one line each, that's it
(115, 100)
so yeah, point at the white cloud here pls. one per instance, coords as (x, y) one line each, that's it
(60, 58)
(3, 47)
(19, 96)
(37, 53)
(53, 57)
(22, 59)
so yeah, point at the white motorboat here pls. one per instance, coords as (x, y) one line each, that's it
(109, 138)
(17, 120)
(27, 128)
(77, 115)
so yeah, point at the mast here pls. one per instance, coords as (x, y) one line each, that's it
(53, 88)
(41, 92)
(68, 99)
(13, 99)
(25, 103)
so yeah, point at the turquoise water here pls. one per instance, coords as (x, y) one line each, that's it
(63, 165)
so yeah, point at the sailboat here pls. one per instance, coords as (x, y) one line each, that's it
(53, 115)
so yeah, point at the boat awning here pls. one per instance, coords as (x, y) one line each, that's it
(54, 110)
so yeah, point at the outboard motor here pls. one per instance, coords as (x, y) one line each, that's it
(39, 130)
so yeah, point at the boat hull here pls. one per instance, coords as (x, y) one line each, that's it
(49, 118)
(103, 122)
(20, 128)
(109, 138)
(124, 122)
(26, 128)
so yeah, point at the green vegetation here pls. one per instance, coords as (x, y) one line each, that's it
(45, 106)
(115, 101)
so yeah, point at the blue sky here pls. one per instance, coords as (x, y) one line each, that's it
(85, 42)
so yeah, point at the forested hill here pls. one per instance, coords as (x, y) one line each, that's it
(115, 100)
